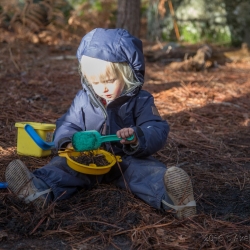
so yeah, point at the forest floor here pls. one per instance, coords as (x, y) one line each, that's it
(209, 116)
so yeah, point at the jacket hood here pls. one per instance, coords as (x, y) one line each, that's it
(114, 45)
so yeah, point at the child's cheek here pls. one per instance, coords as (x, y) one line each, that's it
(98, 89)
(117, 92)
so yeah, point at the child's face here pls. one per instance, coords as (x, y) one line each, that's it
(109, 88)
(105, 82)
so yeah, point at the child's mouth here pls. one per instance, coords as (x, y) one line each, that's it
(108, 96)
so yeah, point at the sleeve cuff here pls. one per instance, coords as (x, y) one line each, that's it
(134, 146)
(62, 143)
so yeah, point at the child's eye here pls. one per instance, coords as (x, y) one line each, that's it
(95, 83)
(110, 81)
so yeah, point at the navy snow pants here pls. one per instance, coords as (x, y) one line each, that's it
(144, 177)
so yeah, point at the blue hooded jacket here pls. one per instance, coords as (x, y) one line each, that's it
(134, 109)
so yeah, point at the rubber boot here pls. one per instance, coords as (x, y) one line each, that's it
(26, 186)
(180, 190)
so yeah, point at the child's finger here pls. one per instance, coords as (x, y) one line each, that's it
(134, 141)
(125, 134)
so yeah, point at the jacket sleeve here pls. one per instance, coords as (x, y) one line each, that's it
(72, 121)
(151, 130)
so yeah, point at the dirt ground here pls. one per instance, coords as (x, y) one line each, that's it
(209, 116)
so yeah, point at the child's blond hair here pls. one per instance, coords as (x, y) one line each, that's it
(101, 69)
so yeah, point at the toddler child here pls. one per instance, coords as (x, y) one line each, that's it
(111, 102)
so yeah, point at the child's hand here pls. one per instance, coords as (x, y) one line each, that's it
(69, 145)
(125, 133)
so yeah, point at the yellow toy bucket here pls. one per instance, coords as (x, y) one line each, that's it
(92, 169)
(26, 145)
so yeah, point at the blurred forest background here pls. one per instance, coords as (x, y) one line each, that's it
(222, 22)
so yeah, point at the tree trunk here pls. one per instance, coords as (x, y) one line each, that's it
(238, 20)
(128, 16)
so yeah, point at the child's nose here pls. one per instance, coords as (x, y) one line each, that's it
(105, 89)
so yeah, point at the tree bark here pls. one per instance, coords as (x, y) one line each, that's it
(238, 20)
(128, 16)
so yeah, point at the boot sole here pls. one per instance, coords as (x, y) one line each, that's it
(180, 190)
(18, 177)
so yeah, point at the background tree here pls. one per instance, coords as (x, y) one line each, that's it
(128, 16)
(238, 19)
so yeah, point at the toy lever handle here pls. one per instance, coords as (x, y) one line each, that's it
(37, 139)
(3, 184)
(108, 138)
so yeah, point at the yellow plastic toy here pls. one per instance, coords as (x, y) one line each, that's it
(92, 169)
(26, 145)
